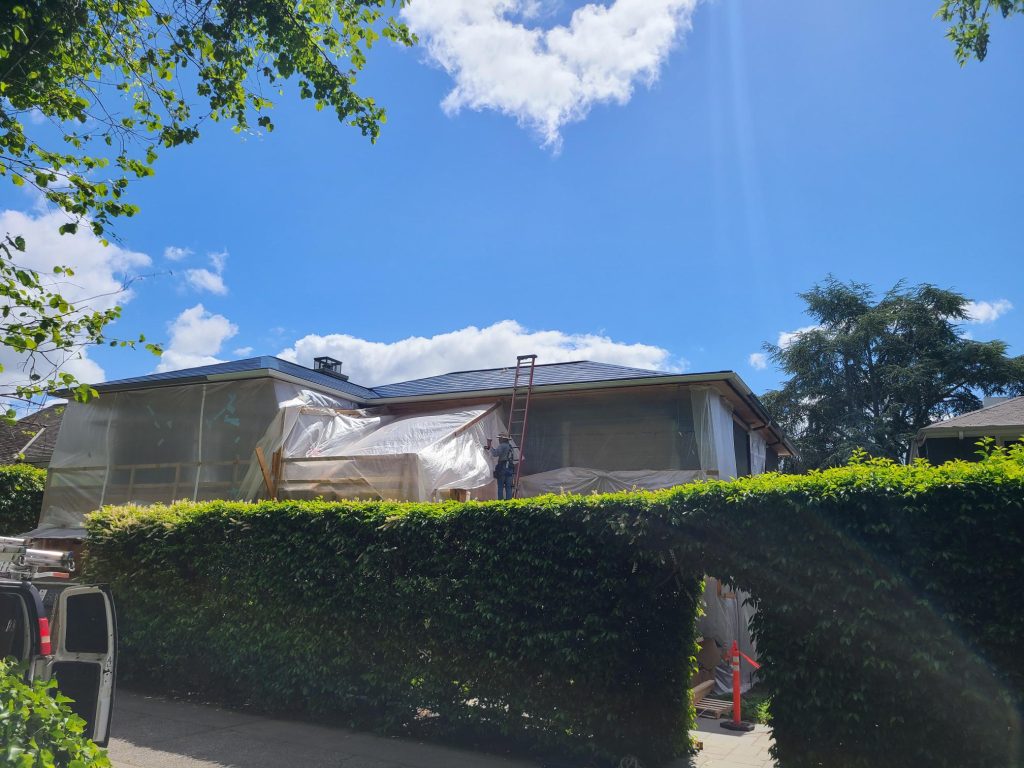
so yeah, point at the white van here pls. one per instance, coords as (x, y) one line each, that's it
(63, 630)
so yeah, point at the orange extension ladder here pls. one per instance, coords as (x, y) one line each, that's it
(522, 388)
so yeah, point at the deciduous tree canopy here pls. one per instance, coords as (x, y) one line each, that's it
(92, 90)
(969, 27)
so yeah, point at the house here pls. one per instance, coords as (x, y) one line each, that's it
(1001, 419)
(32, 438)
(265, 427)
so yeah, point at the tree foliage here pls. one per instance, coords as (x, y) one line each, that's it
(871, 372)
(38, 728)
(969, 24)
(21, 496)
(92, 90)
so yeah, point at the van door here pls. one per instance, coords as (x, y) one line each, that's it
(20, 609)
(85, 655)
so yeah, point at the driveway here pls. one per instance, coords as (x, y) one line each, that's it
(150, 732)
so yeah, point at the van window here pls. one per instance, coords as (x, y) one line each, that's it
(86, 623)
(14, 639)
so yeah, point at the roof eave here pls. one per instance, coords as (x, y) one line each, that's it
(728, 377)
(1004, 430)
(257, 373)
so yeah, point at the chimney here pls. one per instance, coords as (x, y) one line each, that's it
(330, 366)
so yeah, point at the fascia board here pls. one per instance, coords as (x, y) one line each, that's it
(1011, 430)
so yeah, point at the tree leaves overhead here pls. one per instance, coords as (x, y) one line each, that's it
(872, 372)
(969, 27)
(92, 90)
(121, 79)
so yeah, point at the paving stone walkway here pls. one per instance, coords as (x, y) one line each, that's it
(729, 749)
(150, 732)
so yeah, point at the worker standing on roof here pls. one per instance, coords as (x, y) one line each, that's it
(505, 469)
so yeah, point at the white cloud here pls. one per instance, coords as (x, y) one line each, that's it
(987, 311)
(788, 337)
(98, 282)
(371, 362)
(210, 280)
(546, 78)
(100, 270)
(758, 360)
(174, 253)
(219, 260)
(242, 351)
(196, 338)
(205, 280)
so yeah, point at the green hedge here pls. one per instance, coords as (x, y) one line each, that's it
(890, 611)
(890, 621)
(528, 622)
(21, 497)
(38, 729)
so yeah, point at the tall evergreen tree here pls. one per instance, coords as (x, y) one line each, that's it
(873, 371)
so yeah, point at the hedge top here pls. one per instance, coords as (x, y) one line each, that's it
(863, 474)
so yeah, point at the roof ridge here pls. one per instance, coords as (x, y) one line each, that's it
(512, 367)
(970, 414)
(1001, 403)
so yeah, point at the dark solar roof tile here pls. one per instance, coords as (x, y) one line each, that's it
(502, 378)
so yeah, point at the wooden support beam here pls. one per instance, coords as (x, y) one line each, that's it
(275, 470)
(262, 459)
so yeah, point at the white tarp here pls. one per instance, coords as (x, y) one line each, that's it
(712, 426)
(726, 619)
(583, 480)
(345, 454)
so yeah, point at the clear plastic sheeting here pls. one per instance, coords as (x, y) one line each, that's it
(726, 619)
(758, 453)
(162, 444)
(315, 451)
(584, 481)
(202, 441)
(713, 428)
(651, 429)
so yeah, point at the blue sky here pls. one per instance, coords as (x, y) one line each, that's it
(781, 141)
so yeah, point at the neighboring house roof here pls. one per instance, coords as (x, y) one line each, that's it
(1000, 418)
(32, 438)
(486, 382)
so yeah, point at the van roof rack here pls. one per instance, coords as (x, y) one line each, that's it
(19, 561)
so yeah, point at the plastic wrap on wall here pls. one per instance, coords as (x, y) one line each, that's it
(713, 427)
(652, 429)
(583, 480)
(758, 453)
(157, 445)
(351, 454)
(78, 468)
(727, 618)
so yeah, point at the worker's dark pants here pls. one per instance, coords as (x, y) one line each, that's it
(504, 486)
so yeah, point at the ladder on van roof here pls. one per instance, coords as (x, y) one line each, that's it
(522, 388)
(19, 561)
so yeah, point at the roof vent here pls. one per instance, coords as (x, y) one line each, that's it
(330, 366)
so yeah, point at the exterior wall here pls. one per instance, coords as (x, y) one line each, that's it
(741, 449)
(939, 450)
(612, 431)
